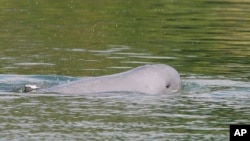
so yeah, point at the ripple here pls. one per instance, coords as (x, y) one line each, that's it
(34, 64)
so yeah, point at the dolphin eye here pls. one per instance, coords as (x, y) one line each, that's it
(168, 86)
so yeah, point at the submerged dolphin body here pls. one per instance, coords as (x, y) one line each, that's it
(149, 79)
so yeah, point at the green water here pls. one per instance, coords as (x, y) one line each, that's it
(44, 41)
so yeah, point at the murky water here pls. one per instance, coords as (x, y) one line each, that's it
(49, 43)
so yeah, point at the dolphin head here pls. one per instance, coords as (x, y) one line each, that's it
(158, 78)
(171, 81)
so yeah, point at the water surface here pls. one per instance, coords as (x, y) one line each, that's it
(49, 43)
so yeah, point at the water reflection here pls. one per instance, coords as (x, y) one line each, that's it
(192, 37)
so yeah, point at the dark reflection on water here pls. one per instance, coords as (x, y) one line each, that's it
(45, 41)
(200, 37)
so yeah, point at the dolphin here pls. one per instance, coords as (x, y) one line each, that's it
(148, 79)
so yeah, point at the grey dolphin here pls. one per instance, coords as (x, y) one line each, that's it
(149, 79)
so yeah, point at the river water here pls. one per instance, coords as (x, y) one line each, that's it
(49, 43)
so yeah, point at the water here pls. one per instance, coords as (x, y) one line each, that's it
(201, 111)
(49, 43)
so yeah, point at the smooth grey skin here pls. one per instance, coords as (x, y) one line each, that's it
(148, 79)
